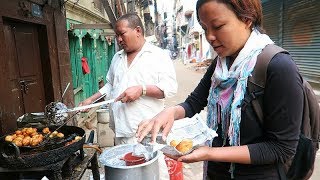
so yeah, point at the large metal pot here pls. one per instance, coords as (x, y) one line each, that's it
(116, 169)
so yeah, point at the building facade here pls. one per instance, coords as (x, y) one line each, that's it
(190, 35)
(92, 46)
(34, 61)
(92, 40)
(291, 24)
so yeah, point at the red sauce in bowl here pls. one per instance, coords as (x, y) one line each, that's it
(133, 160)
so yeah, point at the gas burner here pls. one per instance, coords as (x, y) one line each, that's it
(59, 170)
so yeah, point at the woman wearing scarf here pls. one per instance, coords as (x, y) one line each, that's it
(244, 149)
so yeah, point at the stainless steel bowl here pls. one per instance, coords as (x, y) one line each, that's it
(116, 169)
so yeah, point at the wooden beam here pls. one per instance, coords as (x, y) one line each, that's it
(131, 6)
(123, 7)
(108, 32)
(110, 12)
(92, 26)
(119, 9)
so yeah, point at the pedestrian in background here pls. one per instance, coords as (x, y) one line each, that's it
(244, 148)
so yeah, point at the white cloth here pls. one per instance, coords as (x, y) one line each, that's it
(151, 66)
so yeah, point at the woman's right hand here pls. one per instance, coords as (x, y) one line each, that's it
(162, 121)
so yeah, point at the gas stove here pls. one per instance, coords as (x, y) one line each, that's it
(56, 171)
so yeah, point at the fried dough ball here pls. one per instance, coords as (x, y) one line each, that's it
(25, 137)
(56, 134)
(46, 130)
(35, 141)
(185, 145)
(26, 141)
(30, 131)
(17, 142)
(24, 130)
(60, 135)
(18, 132)
(174, 143)
(77, 138)
(20, 136)
(9, 138)
(36, 136)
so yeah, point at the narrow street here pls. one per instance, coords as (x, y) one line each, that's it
(187, 79)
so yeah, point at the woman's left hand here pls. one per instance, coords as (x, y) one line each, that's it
(199, 154)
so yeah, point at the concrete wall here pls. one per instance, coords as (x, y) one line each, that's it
(85, 11)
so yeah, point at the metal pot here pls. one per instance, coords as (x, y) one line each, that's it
(103, 116)
(116, 169)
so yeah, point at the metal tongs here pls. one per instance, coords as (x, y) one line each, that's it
(147, 149)
(146, 141)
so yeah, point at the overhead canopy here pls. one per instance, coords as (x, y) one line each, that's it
(94, 30)
(92, 26)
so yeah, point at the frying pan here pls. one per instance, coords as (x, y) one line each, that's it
(12, 156)
(44, 144)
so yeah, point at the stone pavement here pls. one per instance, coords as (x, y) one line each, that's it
(188, 78)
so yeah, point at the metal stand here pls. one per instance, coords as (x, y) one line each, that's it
(71, 168)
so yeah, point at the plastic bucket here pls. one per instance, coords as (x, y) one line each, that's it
(174, 168)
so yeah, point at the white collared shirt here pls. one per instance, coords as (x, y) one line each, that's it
(151, 66)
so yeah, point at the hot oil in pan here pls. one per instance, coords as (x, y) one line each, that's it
(13, 159)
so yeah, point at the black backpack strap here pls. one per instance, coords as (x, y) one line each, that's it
(281, 172)
(256, 82)
(256, 85)
(213, 65)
